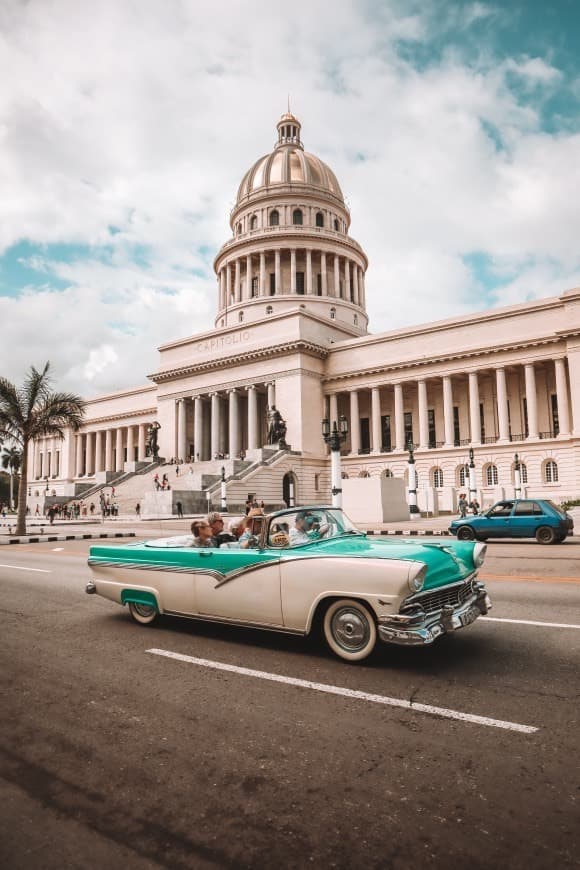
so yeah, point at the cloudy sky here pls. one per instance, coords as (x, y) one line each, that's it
(127, 125)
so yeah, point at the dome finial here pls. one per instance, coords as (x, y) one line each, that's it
(289, 130)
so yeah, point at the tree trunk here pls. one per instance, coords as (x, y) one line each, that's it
(21, 519)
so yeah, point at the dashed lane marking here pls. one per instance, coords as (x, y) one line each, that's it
(349, 693)
(530, 622)
(21, 568)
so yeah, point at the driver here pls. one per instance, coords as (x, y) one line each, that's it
(306, 529)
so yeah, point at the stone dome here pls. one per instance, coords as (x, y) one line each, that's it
(289, 164)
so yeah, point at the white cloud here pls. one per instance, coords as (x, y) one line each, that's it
(128, 128)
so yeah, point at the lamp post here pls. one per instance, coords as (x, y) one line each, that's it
(224, 504)
(291, 492)
(334, 438)
(414, 512)
(472, 483)
(517, 477)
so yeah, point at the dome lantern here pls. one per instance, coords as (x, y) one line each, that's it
(289, 131)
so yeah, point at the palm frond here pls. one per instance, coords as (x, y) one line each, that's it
(55, 413)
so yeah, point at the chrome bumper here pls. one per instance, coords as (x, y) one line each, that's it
(90, 588)
(421, 628)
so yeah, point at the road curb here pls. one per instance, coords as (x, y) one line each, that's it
(413, 533)
(42, 539)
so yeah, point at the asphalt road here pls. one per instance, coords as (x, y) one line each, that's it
(115, 757)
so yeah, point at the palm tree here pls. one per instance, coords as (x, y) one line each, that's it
(31, 412)
(12, 460)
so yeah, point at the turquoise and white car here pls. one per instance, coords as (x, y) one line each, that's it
(308, 569)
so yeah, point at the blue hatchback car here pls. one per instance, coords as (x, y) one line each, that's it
(517, 518)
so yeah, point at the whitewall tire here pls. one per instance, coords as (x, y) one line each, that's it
(350, 630)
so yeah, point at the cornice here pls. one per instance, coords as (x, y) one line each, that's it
(297, 346)
(110, 418)
(269, 239)
(240, 384)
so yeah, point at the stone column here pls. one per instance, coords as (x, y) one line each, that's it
(376, 420)
(474, 418)
(347, 279)
(423, 419)
(308, 272)
(109, 450)
(323, 275)
(142, 439)
(355, 283)
(228, 285)
(271, 387)
(215, 424)
(531, 401)
(363, 290)
(99, 451)
(181, 430)
(78, 457)
(354, 423)
(253, 430)
(562, 398)
(293, 270)
(502, 405)
(399, 418)
(277, 278)
(198, 447)
(249, 276)
(238, 287)
(119, 450)
(222, 288)
(336, 276)
(130, 444)
(333, 406)
(234, 425)
(448, 411)
(262, 290)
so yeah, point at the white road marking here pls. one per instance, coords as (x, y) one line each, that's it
(349, 693)
(19, 568)
(57, 549)
(530, 622)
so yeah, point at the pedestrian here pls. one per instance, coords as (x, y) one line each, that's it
(177, 470)
(137, 510)
(36, 512)
(462, 505)
(179, 507)
(474, 507)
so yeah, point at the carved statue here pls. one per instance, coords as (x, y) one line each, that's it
(276, 427)
(152, 447)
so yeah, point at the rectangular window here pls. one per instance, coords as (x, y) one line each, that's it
(386, 433)
(525, 416)
(456, 435)
(482, 421)
(272, 283)
(408, 417)
(319, 284)
(555, 417)
(300, 283)
(432, 433)
(254, 287)
(365, 435)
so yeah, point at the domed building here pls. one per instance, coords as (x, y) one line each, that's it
(499, 390)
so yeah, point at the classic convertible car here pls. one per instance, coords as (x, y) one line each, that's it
(307, 569)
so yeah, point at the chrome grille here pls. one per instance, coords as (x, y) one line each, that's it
(431, 602)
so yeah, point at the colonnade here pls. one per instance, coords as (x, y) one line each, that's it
(94, 451)
(464, 419)
(244, 278)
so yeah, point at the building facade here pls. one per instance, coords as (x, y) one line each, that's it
(291, 331)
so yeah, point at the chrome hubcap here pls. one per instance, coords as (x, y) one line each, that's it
(144, 609)
(350, 629)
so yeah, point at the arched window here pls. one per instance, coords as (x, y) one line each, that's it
(336, 225)
(319, 219)
(523, 472)
(387, 472)
(550, 472)
(491, 477)
(297, 217)
(462, 476)
(269, 309)
(253, 222)
(239, 227)
(356, 320)
(274, 218)
(241, 316)
(333, 313)
(437, 478)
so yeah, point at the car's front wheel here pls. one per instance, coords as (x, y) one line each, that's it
(144, 614)
(350, 630)
(465, 533)
(545, 535)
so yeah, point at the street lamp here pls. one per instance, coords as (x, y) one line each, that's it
(472, 483)
(46, 481)
(334, 438)
(224, 505)
(517, 477)
(414, 512)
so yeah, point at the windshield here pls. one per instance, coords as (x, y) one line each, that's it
(307, 525)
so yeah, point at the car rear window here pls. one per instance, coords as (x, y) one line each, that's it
(528, 509)
(556, 508)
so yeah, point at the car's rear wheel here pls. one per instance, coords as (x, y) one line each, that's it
(144, 614)
(545, 535)
(350, 630)
(465, 533)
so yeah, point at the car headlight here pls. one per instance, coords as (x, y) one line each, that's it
(479, 552)
(417, 574)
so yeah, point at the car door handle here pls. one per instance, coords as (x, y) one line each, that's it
(205, 555)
